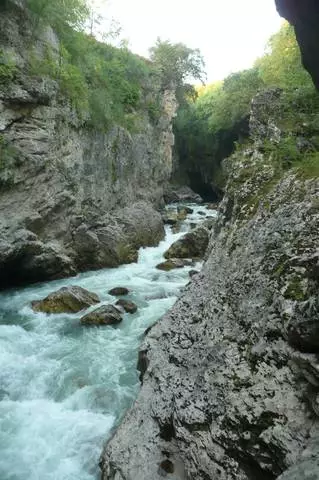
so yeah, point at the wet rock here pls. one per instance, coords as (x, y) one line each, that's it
(181, 213)
(173, 263)
(203, 214)
(176, 228)
(118, 291)
(212, 206)
(127, 305)
(191, 273)
(192, 245)
(170, 219)
(66, 300)
(105, 315)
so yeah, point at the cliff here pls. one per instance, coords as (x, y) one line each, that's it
(72, 197)
(230, 373)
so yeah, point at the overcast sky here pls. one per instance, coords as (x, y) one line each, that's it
(231, 34)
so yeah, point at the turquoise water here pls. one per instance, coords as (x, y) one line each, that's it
(64, 387)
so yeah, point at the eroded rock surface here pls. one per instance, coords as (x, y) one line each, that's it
(71, 198)
(230, 374)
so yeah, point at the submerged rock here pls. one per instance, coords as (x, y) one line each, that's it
(66, 300)
(105, 315)
(118, 291)
(192, 245)
(127, 305)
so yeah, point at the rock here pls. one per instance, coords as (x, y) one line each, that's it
(105, 315)
(192, 245)
(303, 326)
(226, 392)
(66, 300)
(212, 206)
(181, 213)
(118, 291)
(81, 191)
(201, 213)
(181, 194)
(170, 218)
(127, 305)
(173, 263)
(209, 223)
(176, 228)
(189, 210)
(191, 273)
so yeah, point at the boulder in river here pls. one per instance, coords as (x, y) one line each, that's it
(191, 273)
(105, 315)
(118, 291)
(192, 245)
(170, 218)
(173, 263)
(127, 305)
(66, 300)
(181, 213)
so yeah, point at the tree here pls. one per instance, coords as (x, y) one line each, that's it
(177, 64)
(281, 64)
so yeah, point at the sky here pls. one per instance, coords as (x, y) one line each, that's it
(230, 34)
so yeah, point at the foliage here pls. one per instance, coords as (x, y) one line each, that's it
(207, 127)
(281, 65)
(177, 65)
(8, 68)
(59, 13)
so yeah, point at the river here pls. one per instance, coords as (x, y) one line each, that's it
(64, 387)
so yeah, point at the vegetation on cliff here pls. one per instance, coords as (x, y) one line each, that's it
(207, 128)
(103, 83)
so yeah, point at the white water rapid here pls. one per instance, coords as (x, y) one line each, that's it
(63, 387)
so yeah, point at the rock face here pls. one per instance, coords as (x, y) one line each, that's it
(181, 194)
(66, 300)
(71, 198)
(192, 245)
(103, 316)
(230, 373)
(305, 18)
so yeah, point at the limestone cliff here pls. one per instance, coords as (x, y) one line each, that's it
(71, 197)
(230, 373)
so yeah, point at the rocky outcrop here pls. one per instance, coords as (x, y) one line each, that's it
(304, 16)
(230, 374)
(66, 300)
(176, 193)
(71, 198)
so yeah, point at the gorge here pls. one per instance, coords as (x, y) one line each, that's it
(228, 347)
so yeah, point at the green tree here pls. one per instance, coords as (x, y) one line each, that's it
(177, 65)
(281, 65)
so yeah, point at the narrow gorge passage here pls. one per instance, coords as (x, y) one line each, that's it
(64, 387)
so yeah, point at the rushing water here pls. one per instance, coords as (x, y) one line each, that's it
(64, 387)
